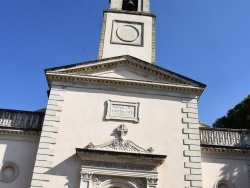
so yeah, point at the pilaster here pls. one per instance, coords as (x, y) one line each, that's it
(192, 153)
(48, 138)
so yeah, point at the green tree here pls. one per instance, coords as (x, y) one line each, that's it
(237, 117)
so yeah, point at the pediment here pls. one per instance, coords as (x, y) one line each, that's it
(120, 145)
(125, 70)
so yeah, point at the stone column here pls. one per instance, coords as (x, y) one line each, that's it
(86, 180)
(152, 182)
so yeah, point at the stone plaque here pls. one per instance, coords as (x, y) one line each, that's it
(122, 111)
(127, 33)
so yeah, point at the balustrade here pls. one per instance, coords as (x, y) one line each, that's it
(225, 137)
(21, 119)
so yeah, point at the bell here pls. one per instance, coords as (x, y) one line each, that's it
(129, 5)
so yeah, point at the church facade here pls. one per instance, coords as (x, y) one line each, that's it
(121, 121)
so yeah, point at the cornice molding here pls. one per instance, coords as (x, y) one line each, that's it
(124, 82)
(107, 63)
(19, 132)
(225, 150)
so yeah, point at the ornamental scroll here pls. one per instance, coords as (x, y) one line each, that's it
(126, 111)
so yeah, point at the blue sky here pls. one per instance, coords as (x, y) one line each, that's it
(207, 40)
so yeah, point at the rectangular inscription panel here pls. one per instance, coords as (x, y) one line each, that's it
(122, 111)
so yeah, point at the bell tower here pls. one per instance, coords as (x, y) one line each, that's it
(128, 29)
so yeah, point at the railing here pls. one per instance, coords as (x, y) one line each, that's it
(23, 120)
(228, 138)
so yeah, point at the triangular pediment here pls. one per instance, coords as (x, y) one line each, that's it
(125, 67)
(126, 70)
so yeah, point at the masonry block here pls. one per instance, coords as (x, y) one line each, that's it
(191, 115)
(48, 123)
(37, 183)
(45, 164)
(45, 152)
(196, 184)
(56, 97)
(191, 142)
(43, 177)
(54, 108)
(191, 105)
(52, 118)
(195, 159)
(192, 153)
(47, 140)
(190, 120)
(194, 137)
(44, 145)
(50, 113)
(192, 165)
(191, 131)
(189, 110)
(189, 100)
(40, 170)
(50, 129)
(193, 125)
(194, 148)
(52, 102)
(47, 134)
(193, 177)
(42, 157)
(196, 171)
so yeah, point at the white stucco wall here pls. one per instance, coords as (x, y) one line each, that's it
(22, 151)
(225, 166)
(82, 121)
(144, 52)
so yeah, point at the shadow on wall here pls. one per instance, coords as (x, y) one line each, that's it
(69, 168)
(235, 173)
(18, 159)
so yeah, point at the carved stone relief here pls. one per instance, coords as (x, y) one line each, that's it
(112, 165)
(120, 145)
(100, 181)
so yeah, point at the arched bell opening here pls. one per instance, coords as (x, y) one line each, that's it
(130, 5)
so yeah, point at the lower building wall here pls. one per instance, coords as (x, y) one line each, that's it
(232, 168)
(17, 158)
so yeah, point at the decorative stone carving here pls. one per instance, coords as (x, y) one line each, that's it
(9, 171)
(122, 130)
(124, 166)
(140, 184)
(97, 181)
(122, 111)
(152, 181)
(121, 145)
(86, 176)
(90, 145)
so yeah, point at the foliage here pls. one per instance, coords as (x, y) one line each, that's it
(237, 117)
